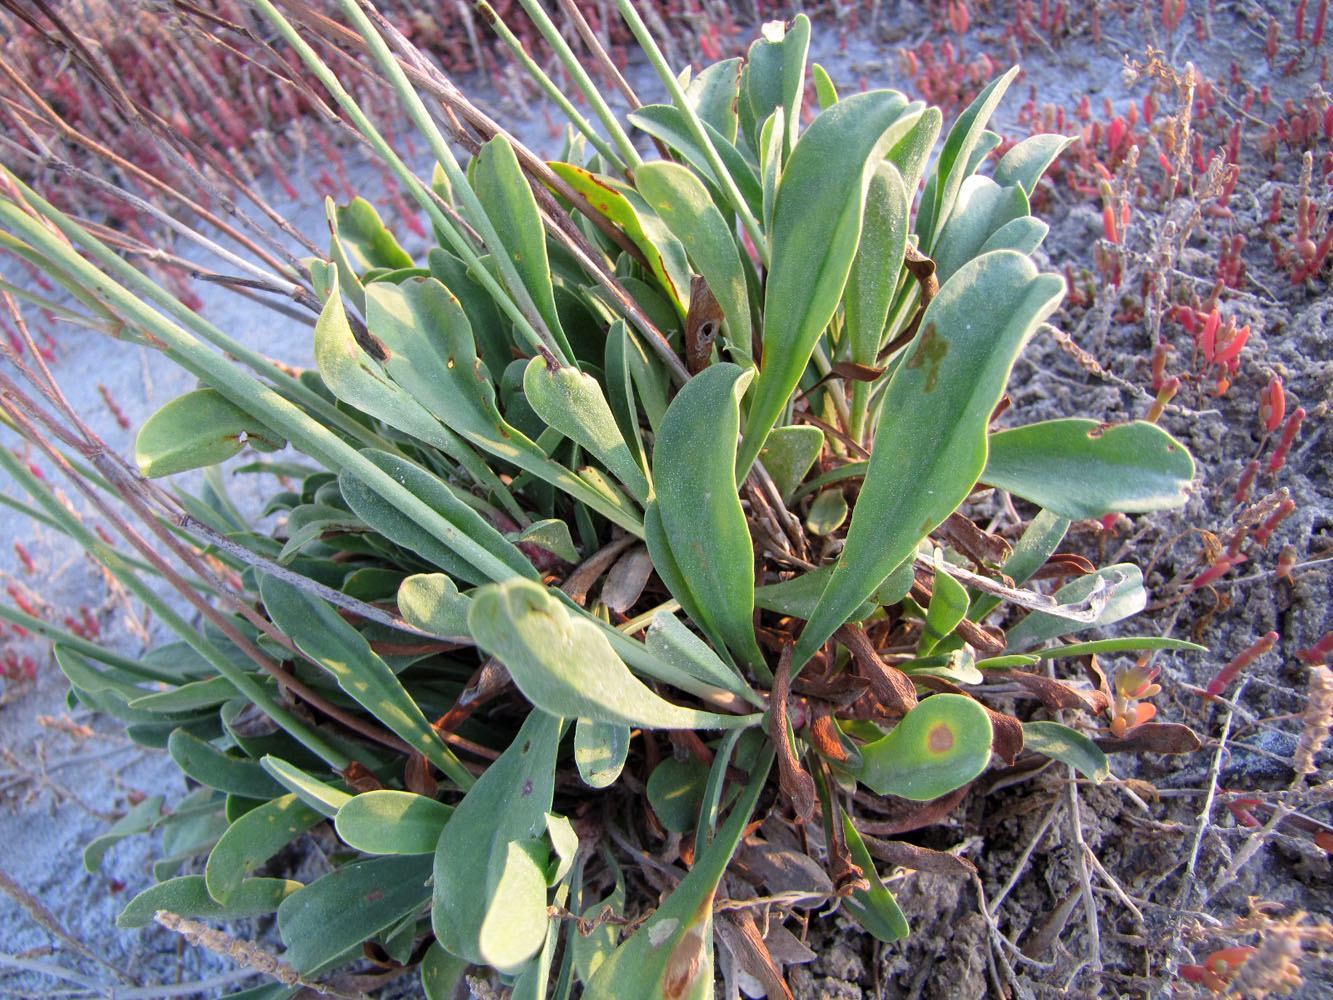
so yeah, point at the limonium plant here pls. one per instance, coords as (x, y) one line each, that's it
(625, 560)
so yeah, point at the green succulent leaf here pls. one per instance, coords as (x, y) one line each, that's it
(773, 78)
(550, 534)
(675, 791)
(948, 607)
(700, 510)
(139, 819)
(878, 263)
(600, 749)
(712, 94)
(432, 603)
(391, 822)
(210, 766)
(1068, 746)
(188, 697)
(800, 595)
(939, 746)
(471, 548)
(671, 955)
(591, 950)
(929, 456)
(1023, 235)
(197, 429)
(1128, 644)
(1028, 160)
(684, 204)
(1080, 468)
(827, 512)
(967, 134)
(564, 664)
(322, 635)
(875, 908)
(188, 896)
(623, 206)
(367, 240)
(318, 795)
(440, 972)
(788, 455)
(332, 916)
(667, 124)
(911, 153)
(825, 90)
(358, 378)
(982, 209)
(489, 902)
(504, 193)
(573, 403)
(253, 839)
(669, 640)
(816, 228)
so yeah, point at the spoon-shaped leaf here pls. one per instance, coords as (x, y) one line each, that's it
(1067, 745)
(816, 227)
(1080, 468)
(333, 915)
(489, 903)
(573, 403)
(252, 840)
(187, 896)
(197, 429)
(508, 200)
(788, 454)
(967, 133)
(627, 209)
(322, 635)
(600, 749)
(1027, 161)
(940, 745)
(879, 260)
(700, 510)
(927, 458)
(564, 664)
(684, 204)
(432, 603)
(385, 821)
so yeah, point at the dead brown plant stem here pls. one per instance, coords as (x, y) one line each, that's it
(48, 920)
(560, 226)
(786, 518)
(585, 31)
(110, 156)
(335, 597)
(163, 568)
(764, 517)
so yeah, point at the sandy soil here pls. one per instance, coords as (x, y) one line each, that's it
(64, 773)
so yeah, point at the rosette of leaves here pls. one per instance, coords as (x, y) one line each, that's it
(628, 532)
